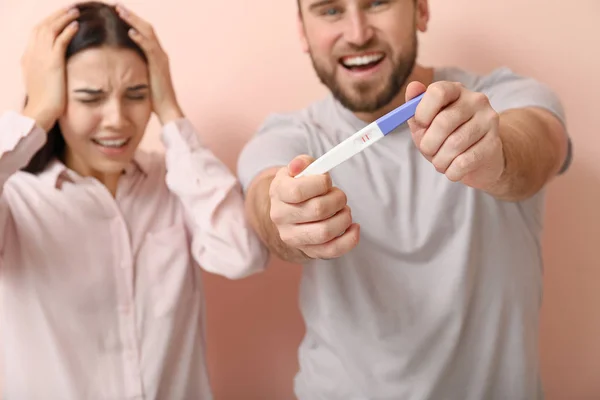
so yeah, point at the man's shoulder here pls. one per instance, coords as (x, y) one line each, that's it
(284, 135)
(480, 81)
(506, 88)
(501, 80)
(455, 74)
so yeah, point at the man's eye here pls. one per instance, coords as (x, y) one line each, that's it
(330, 12)
(378, 3)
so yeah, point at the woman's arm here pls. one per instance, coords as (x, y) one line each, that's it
(223, 241)
(43, 63)
(20, 139)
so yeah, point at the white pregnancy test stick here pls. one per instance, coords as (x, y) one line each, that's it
(363, 138)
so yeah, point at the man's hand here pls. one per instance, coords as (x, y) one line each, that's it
(310, 214)
(457, 130)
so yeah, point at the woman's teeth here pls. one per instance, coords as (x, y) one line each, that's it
(116, 143)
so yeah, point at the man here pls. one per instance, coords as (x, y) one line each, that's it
(437, 294)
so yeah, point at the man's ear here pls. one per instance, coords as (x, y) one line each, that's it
(422, 15)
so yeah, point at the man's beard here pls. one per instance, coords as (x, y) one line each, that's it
(360, 97)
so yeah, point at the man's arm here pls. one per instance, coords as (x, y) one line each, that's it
(535, 148)
(258, 209)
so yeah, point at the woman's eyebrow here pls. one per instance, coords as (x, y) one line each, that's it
(91, 91)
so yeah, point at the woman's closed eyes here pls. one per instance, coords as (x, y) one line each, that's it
(91, 96)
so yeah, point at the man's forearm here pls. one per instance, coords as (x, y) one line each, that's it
(535, 147)
(258, 207)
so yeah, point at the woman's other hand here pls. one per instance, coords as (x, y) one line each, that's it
(43, 65)
(164, 101)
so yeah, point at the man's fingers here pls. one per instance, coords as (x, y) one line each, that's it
(322, 207)
(314, 233)
(458, 142)
(294, 191)
(469, 160)
(443, 126)
(313, 210)
(336, 247)
(437, 97)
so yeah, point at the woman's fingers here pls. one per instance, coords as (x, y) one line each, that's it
(64, 38)
(57, 26)
(141, 40)
(137, 23)
(142, 32)
(50, 19)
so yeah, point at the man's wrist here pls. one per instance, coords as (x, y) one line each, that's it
(504, 175)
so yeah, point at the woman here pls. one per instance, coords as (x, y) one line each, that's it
(100, 293)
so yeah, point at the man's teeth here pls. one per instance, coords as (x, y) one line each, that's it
(111, 142)
(362, 60)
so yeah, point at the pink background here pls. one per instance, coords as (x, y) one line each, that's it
(235, 61)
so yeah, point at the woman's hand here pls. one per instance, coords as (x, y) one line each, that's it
(164, 101)
(43, 65)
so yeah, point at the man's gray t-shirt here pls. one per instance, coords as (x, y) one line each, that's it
(441, 298)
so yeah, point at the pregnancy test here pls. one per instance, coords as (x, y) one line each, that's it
(363, 138)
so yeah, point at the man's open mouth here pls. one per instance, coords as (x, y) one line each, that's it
(362, 62)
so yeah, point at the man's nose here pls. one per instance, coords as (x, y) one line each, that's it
(358, 30)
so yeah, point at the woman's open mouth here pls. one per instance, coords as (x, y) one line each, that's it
(112, 146)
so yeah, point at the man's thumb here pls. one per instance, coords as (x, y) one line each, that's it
(298, 164)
